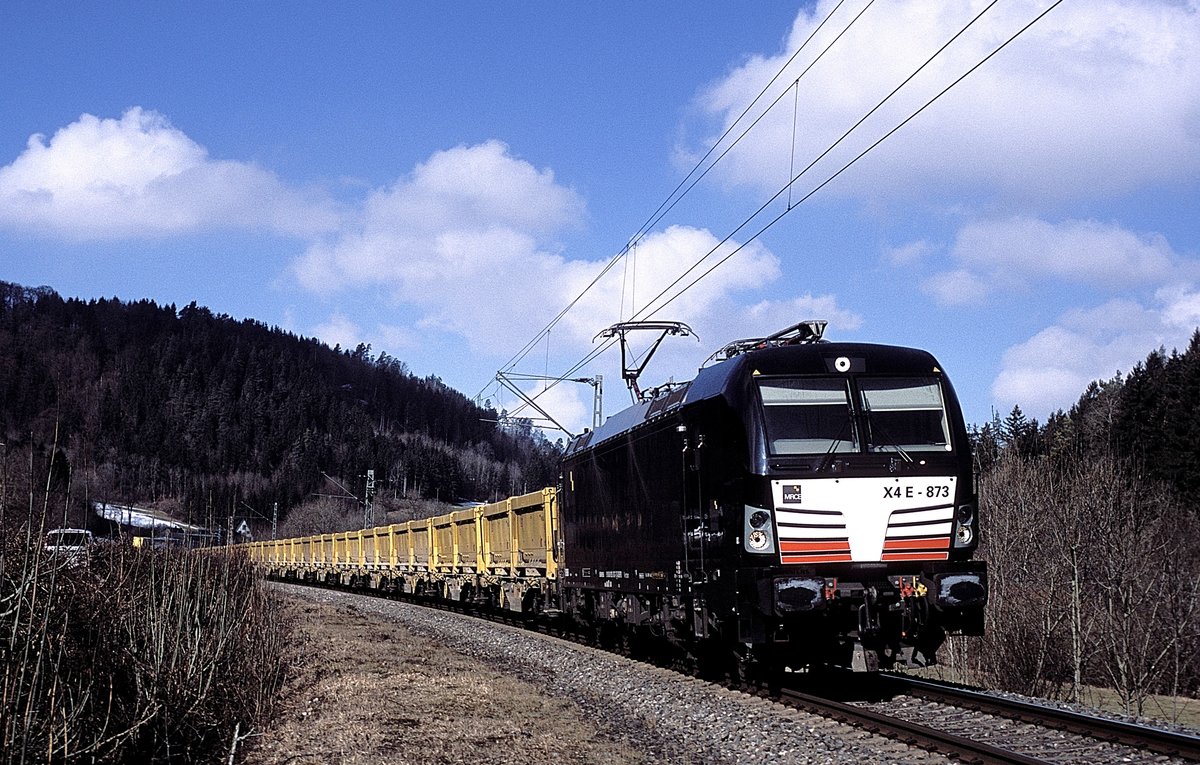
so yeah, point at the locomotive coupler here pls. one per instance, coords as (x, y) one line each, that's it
(868, 613)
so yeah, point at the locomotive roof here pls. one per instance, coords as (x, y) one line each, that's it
(727, 379)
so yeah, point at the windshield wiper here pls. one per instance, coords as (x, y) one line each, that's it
(874, 427)
(833, 445)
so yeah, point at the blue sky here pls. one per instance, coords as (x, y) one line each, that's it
(440, 179)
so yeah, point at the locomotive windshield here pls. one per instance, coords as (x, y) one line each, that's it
(905, 414)
(809, 415)
(817, 415)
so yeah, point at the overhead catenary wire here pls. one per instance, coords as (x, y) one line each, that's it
(670, 201)
(796, 83)
(676, 195)
(649, 309)
(844, 167)
(792, 180)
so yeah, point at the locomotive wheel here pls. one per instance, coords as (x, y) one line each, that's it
(739, 671)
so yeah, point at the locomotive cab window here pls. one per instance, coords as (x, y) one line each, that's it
(808, 416)
(905, 414)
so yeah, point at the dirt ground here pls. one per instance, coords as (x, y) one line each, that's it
(364, 690)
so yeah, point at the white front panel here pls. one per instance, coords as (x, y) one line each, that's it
(864, 511)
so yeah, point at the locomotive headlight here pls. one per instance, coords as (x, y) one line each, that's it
(758, 536)
(964, 518)
(966, 514)
(964, 536)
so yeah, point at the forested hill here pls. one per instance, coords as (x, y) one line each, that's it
(153, 403)
(1149, 418)
(1096, 512)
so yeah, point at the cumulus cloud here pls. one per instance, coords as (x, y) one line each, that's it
(395, 337)
(957, 287)
(1013, 253)
(659, 280)
(459, 220)
(1051, 369)
(1089, 102)
(341, 330)
(772, 315)
(468, 239)
(570, 405)
(140, 176)
(908, 254)
(1074, 250)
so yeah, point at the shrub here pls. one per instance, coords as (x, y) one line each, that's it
(137, 656)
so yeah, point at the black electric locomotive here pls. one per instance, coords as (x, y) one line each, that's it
(799, 503)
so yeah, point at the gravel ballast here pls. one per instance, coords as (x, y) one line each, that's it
(607, 708)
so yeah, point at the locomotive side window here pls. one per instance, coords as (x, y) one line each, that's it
(808, 416)
(905, 414)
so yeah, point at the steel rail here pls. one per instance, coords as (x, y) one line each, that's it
(910, 733)
(1171, 743)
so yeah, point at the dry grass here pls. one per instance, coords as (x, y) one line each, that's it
(367, 691)
(134, 657)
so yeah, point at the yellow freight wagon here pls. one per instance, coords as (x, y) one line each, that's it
(500, 554)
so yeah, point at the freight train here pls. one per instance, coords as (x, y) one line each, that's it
(800, 503)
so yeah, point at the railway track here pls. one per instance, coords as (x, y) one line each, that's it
(979, 727)
(1169, 743)
(924, 736)
(968, 725)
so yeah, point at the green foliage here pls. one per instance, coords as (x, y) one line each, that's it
(1158, 418)
(1150, 417)
(156, 403)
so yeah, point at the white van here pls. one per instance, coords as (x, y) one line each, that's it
(71, 545)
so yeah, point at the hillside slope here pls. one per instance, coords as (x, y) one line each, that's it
(149, 403)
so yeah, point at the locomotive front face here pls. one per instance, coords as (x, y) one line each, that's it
(884, 485)
(861, 515)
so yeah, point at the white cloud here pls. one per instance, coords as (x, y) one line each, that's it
(1181, 307)
(140, 176)
(770, 316)
(1092, 101)
(467, 238)
(395, 337)
(1074, 250)
(1020, 252)
(661, 259)
(339, 329)
(463, 223)
(954, 288)
(565, 402)
(1053, 368)
(908, 254)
